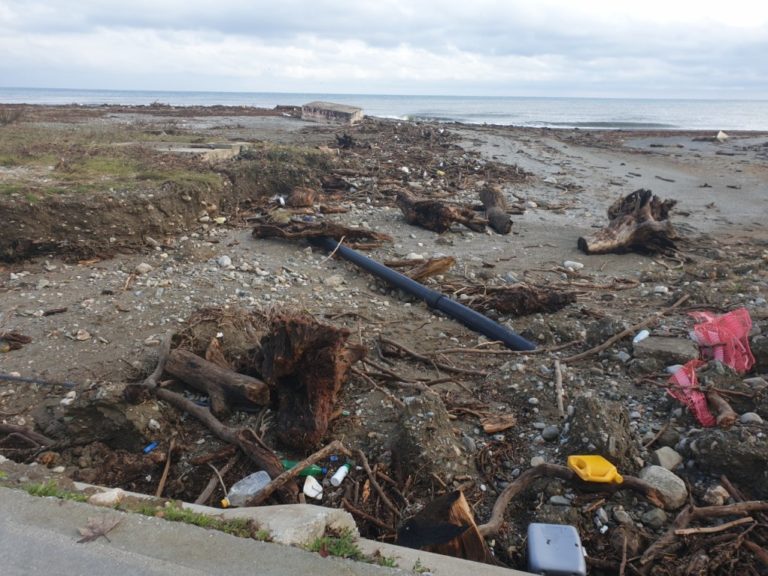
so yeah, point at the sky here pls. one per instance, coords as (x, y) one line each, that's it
(609, 48)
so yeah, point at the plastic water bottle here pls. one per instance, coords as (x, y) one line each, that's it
(243, 489)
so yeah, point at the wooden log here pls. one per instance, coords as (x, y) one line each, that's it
(446, 526)
(308, 230)
(638, 222)
(496, 209)
(436, 215)
(301, 197)
(518, 299)
(222, 386)
(306, 365)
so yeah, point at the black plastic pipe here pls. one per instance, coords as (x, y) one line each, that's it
(471, 319)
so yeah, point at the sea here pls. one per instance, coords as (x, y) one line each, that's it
(541, 112)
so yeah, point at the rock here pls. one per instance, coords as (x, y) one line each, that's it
(425, 444)
(666, 457)
(667, 350)
(558, 500)
(334, 280)
(670, 486)
(759, 347)
(621, 516)
(739, 457)
(601, 427)
(655, 518)
(716, 496)
(550, 433)
(573, 265)
(224, 261)
(109, 498)
(536, 460)
(143, 268)
(750, 418)
(598, 332)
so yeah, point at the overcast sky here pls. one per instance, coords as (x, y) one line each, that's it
(642, 48)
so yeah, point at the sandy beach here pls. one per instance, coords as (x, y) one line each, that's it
(97, 263)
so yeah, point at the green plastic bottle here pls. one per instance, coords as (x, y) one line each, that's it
(313, 470)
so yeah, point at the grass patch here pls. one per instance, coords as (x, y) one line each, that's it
(341, 545)
(50, 488)
(240, 527)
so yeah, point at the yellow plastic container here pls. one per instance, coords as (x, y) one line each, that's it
(595, 469)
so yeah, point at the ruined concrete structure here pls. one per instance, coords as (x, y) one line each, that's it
(330, 112)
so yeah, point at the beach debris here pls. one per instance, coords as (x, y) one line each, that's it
(721, 136)
(639, 222)
(301, 197)
(421, 269)
(98, 527)
(446, 526)
(684, 387)
(496, 209)
(13, 341)
(306, 364)
(518, 299)
(725, 338)
(293, 230)
(437, 215)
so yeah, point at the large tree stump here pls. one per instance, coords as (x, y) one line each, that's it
(496, 209)
(224, 387)
(638, 223)
(436, 215)
(306, 364)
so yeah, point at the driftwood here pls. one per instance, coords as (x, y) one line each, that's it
(555, 471)
(446, 526)
(305, 364)
(359, 237)
(726, 417)
(30, 436)
(517, 299)
(224, 387)
(301, 197)
(638, 223)
(244, 439)
(496, 209)
(436, 215)
(13, 341)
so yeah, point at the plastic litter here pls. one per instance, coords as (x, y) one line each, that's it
(593, 468)
(640, 336)
(684, 387)
(313, 488)
(555, 550)
(339, 475)
(312, 470)
(243, 489)
(149, 447)
(725, 338)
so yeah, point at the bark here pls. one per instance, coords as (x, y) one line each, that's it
(224, 387)
(436, 215)
(496, 209)
(726, 417)
(637, 223)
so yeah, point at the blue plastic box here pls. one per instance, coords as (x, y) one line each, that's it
(555, 550)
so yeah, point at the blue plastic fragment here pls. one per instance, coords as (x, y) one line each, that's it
(333, 458)
(149, 447)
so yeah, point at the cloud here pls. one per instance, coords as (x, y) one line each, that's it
(488, 46)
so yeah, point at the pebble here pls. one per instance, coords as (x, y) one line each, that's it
(143, 268)
(224, 261)
(661, 290)
(153, 425)
(573, 265)
(539, 425)
(558, 500)
(716, 496)
(109, 498)
(667, 457)
(69, 397)
(750, 418)
(550, 433)
(536, 460)
(621, 516)
(672, 488)
(533, 401)
(655, 518)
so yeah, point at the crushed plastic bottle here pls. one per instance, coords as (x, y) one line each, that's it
(312, 470)
(245, 488)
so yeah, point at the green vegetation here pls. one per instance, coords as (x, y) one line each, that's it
(50, 488)
(419, 568)
(341, 545)
(173, 512)
(271, 169)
